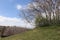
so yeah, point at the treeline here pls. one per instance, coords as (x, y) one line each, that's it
(8, 30)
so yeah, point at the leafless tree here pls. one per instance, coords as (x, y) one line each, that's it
(36, 8)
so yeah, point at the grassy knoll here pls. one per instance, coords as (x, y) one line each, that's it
(40, 33)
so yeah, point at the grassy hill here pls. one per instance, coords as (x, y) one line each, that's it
(42, 33)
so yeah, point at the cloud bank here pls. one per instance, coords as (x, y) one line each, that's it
(19, 22)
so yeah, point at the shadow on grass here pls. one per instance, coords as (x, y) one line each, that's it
(49, 27)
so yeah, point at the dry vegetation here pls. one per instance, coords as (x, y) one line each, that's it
(7, 31)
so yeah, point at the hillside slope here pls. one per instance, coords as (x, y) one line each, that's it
(43, 33)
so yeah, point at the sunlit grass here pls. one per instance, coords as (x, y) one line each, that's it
(40, 33)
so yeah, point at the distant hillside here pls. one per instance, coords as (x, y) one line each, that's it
(42, 33)
(8, 30)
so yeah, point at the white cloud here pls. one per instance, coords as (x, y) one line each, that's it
(21, 7)
(7, 21)
(18, 6)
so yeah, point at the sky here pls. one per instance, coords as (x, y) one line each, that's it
(9, 13)
(9, 7)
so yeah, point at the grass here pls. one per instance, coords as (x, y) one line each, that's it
(42, 33)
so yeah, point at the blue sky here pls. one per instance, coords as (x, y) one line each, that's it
(9, 13)
(8, 7)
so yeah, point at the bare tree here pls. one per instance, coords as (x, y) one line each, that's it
(36, 8)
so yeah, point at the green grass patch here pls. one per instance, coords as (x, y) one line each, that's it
(40, 33)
